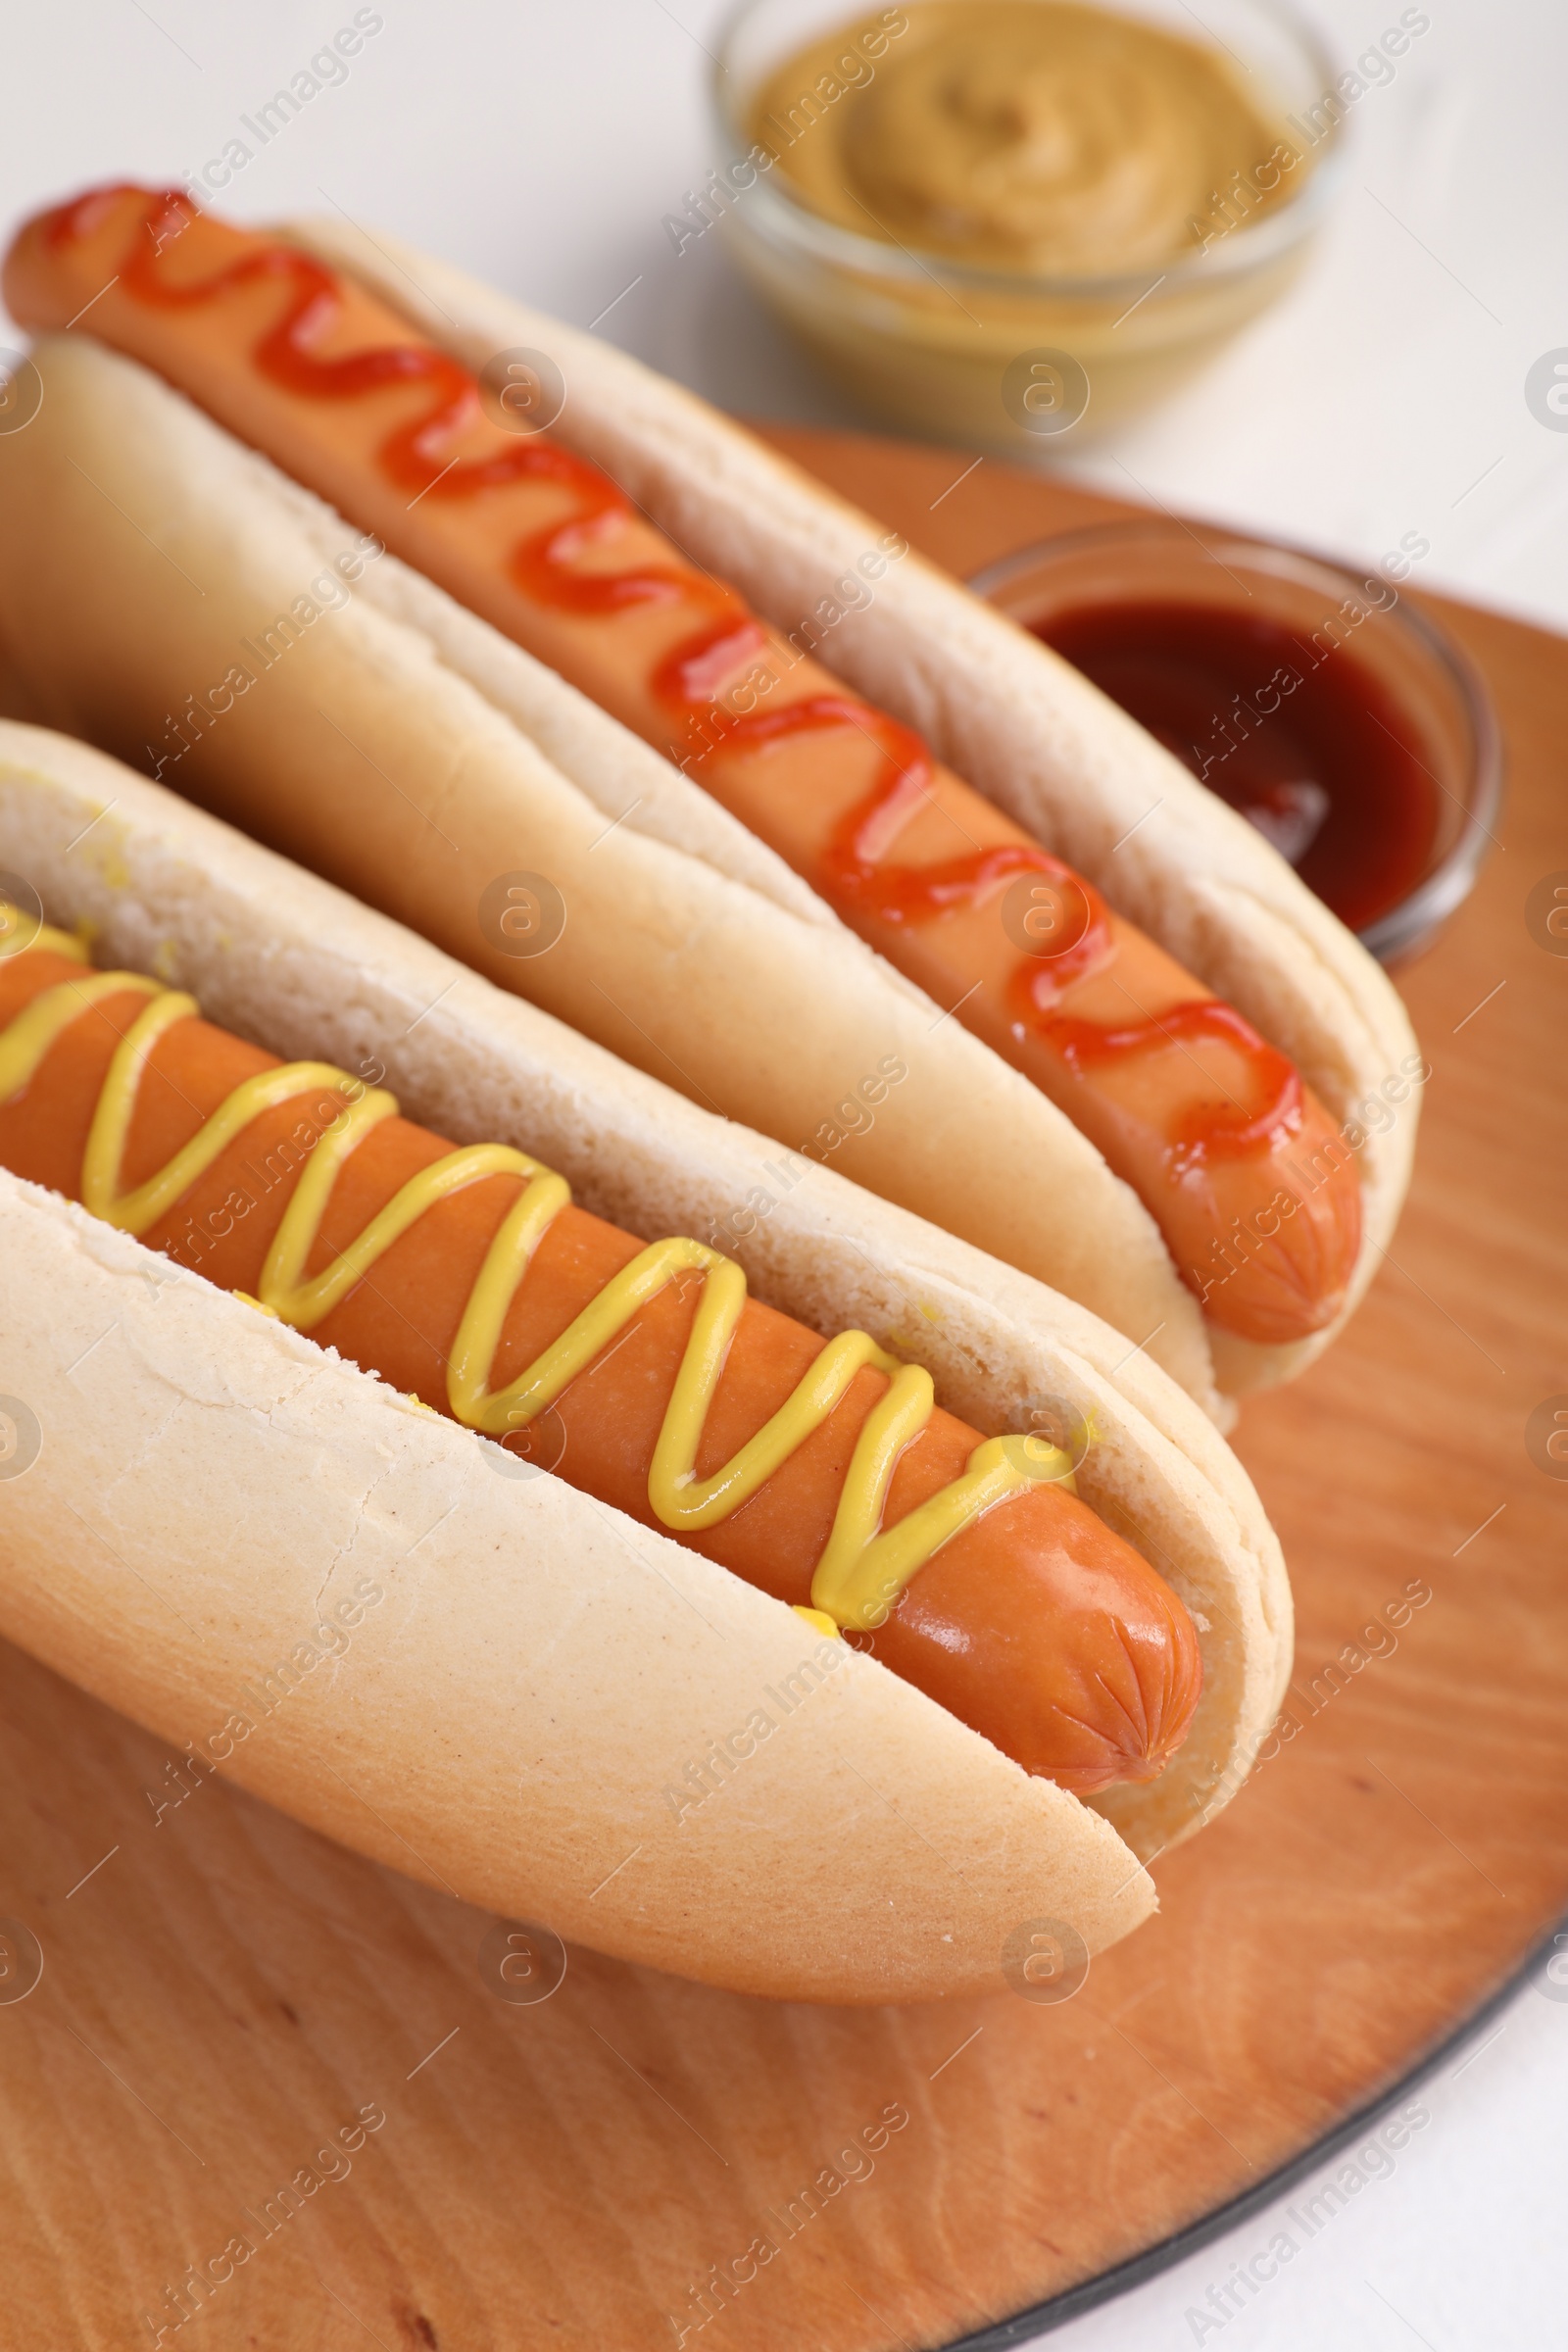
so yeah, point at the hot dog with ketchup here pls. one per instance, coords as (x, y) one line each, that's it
(1257, 1192)
(825, 1475)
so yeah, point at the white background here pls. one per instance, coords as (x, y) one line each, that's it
(540, 145)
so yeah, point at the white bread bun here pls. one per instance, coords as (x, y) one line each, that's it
(1013, 719)
(508, 1717)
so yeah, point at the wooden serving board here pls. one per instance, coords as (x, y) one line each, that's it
(222, 1991)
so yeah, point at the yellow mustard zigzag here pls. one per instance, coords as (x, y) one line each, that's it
(862, 1568)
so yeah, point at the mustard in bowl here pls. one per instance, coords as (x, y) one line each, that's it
(1008, 222)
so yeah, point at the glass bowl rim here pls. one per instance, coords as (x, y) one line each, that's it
(1414, 917)
(1251, 246)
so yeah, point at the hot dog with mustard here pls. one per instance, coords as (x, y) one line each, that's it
(1123, 1643)
(823, 1474)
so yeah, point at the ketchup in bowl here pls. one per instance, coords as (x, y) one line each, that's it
(1312, 747)
(1318, 701)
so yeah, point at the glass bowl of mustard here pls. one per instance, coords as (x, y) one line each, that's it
(1012, 223)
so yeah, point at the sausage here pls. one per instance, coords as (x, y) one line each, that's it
(1035, 1623)
(1241, 1167)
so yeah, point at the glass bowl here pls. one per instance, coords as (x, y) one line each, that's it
(1382, 784)
(1023, 366)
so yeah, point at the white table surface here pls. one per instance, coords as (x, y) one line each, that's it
(541, 145)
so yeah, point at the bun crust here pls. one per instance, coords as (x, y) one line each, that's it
(509, 1717)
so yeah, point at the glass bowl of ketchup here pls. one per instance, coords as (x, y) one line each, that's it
(1318, 701)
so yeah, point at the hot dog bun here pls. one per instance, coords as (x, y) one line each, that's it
(209, 1482)
(737, 1076)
